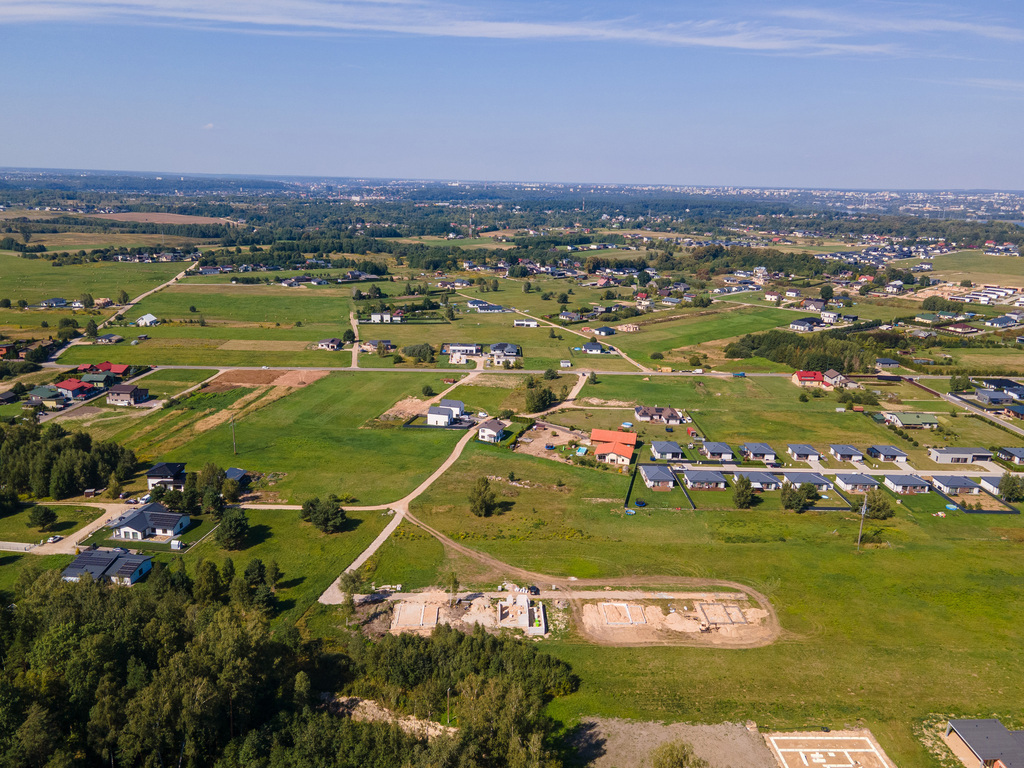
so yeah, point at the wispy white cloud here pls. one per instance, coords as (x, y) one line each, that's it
(994, 84)
(805, 31)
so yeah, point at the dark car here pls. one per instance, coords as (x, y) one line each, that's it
(533, 590)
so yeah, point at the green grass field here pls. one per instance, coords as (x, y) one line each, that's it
(36, 279)
(309, 560)
(872, 639)
(976, 266)
(69, 519)
(707, 326)
(315, 437)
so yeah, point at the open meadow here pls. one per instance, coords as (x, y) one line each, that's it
(37, 279)
(933, 602)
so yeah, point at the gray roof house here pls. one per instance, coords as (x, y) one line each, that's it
(153, 519)
(457, 407)
(757, 452)
(1015, 455)
(171, 475)
(593, 348)
(661, 449)
(759, 481)
(802, 452)
(703, 479)
(905, 484)
(856, 483)
(101, 565)
(657, 477)
(958, 455)
(954, 485)
(887, 453)
(845, 452)
(984, 742)
(720, 451)
(813, 478)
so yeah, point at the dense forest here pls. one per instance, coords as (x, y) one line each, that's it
(183, 672)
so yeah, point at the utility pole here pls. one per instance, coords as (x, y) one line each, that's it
(234, 445)
(863, 513)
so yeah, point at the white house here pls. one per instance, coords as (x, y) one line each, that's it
(904, 484)
(845, 453)
(102, 565)
(856, 483)
(662, 450)
(802, 452)
(657, 477)
(757, 452)
(958, 455)
(439, 417)
(330, 344)
(954, 485)
(170, 475)
(147, 320)
(524, 323)
(759, 481)
(466, 350)
(150, 520)
(490, 431)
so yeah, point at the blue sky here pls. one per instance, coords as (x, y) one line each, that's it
(830, 94)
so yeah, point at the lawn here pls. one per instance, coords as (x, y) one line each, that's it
(872, 639)
(976, 266)
(169, 382)
(309, 560)
(69, 519)
(315, 436)
(13, 565)
(708, 325)
(36, 279)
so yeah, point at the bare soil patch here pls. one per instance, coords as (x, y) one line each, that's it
(160, 218)
(264, 345)
(607, 403)
(243, 378)
(369, 711)
(533, 443)
(610, 742)
(405, 409)
(299, 378)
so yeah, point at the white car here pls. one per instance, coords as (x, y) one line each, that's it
(54, 539)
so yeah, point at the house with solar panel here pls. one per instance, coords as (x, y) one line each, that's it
(153, 519)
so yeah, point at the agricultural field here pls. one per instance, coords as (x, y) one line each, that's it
(510, 294)
(36, 279)
(170, 382)
(855, 622)
(708, 325)
(979, 268)
(315, 437)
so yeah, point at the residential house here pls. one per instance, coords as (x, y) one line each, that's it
(1000, 323)
(604, 330)
(1014, 411)
(954, 485)
(855, 483)
(105, 565)
(759, 481)
(1014, 455)
(844, 452)
(126, 394)
(887, 453)
(961, 329)
(658, 414)
(612, 447)
(757, 452)
(829, 316)
(985, 743)
(662, 450)
(834, 378)
(330, 344)
(457, 407)
(8, 398)
(240, 476)
(570, 317)
(170, 475)
(773, 295)
(109, 338)
(887, 362)
(657, 477)
(147, 320)
(804, 325)
(376, 345)
(717, 451)
(593, 348)
(810, 379)
(490, 431)
(993, 397)
(958, 455)
(54, 302)
(152, 519)
(385, 317)
(905, 484)
(502, 351)
(74, 389)
(524, 323)
(802, 452)
(565, 363)
(792, 293)
(811, 478)
(813, 305)
(466, 350)
(439, 417)
(704, 480)
(909, 420)
(46, 396)
(100, 381)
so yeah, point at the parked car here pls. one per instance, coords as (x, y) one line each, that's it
(533, 590)
(54, 539)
